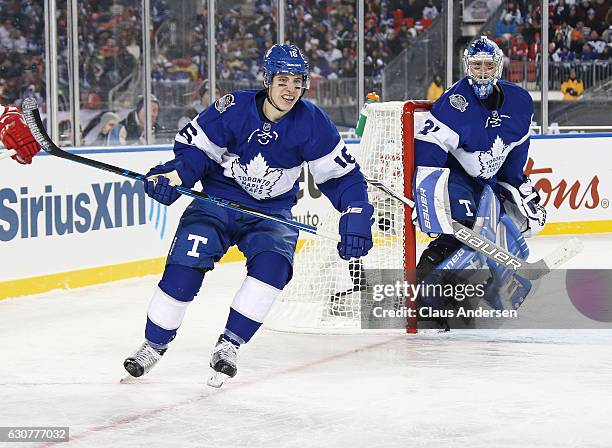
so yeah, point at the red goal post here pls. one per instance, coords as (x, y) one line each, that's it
(410, 243)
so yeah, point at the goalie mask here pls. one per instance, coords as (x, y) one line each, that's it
(483, 63)
(287, 59)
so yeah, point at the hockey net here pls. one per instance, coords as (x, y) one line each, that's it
(326, 293)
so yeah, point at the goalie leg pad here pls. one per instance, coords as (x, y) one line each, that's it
(508, 290)
(432, 203)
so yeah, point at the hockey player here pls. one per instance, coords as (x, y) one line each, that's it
(15, 134)
(476, 136)
(249, 147)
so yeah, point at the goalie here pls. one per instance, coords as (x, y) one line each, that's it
(15, 135)
(470, 154)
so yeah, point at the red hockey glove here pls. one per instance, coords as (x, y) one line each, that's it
(15, 134)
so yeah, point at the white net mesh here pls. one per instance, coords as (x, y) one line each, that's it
(325, 293)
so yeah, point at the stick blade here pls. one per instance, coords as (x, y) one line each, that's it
(29, 108)
(564, 253)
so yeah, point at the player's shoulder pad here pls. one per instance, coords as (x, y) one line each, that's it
(453, 107)
(520, 97)
(317, 127)
(228, 105)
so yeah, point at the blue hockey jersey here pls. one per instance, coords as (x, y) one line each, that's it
(244, 157)
(489, 145)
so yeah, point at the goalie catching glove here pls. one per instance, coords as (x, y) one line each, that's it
(15, 134)
(356, 230)
(523, 206)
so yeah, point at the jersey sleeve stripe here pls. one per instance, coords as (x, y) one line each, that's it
(437, 133)
(331, 165)
(201, 141)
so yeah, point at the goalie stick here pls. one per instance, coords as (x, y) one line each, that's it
(34, 122)
(530, 271)
(8, 153)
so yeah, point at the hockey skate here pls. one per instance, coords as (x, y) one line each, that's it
(142, 361)
(222, 362)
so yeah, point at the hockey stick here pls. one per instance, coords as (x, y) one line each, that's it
(530, 271)
(34, 122)
(8, 153)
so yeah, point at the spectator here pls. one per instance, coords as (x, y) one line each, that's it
(596, 43)
(435, 89)
(582, 9)
(601, 8)
(572, 88)
(201, 103)
(515, 13)
(506, 28)
(131, 129)
(430, 11)
(560, 12)
(518, 48)
(107, 122)
(573, 18)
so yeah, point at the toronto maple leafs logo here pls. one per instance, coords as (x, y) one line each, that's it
(458, 102)
(256, 177)
(492, 160)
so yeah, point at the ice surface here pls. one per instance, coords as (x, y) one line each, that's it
(62, 355)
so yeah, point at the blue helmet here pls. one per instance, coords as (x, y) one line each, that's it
(483, 62)
(285, 59)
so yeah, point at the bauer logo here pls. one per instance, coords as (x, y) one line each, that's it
(27, 213)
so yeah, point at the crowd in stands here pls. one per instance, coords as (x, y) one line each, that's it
(325, 30)
(109, 47)
(110, 41)
(579, 30)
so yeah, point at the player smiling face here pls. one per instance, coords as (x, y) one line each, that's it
(283, 93)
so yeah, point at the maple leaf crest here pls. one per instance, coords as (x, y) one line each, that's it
(256, 177)
(492, 160)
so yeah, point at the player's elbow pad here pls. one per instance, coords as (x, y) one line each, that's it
(195, 164)
(429, 154)
(344, 190)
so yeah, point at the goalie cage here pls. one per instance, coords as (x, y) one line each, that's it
(326, 293)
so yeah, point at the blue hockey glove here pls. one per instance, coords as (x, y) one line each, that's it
(356, 230)
(162, 179)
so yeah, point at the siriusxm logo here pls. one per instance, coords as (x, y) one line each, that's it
(110, 205)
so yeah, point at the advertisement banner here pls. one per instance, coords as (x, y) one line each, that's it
(57, 216)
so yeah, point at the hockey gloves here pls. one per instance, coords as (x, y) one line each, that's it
(523, 206)
(162, 179)
(356, 230)
(15, 134)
